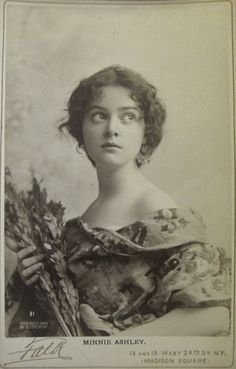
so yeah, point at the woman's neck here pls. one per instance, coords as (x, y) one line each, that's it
(119, 180)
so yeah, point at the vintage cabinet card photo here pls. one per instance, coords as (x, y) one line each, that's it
(117, 184)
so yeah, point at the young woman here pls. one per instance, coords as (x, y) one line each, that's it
(134, 255)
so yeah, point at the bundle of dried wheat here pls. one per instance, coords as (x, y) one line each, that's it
(31, 219)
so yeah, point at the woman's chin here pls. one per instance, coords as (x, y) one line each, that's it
(111, 161)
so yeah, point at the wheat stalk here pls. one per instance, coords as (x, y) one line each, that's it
(31, 219)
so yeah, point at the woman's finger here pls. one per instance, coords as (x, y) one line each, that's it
(27, 273)
(12, 244)
(32, 280)
(23, 253)
(28, 262)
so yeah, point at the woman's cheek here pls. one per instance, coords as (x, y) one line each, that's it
(90, 137)
(89, 145)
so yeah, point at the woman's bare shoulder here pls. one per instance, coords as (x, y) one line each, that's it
(155, 198)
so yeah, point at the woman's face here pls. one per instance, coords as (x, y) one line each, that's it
(113, 127)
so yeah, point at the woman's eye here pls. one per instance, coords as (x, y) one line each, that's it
(98, 117)
(129, 117)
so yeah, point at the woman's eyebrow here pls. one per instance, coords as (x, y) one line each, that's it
(121, 108)
(129, 108)
(96, 107)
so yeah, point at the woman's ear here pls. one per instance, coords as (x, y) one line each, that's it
(81, 150)
(142, 157)
(144, 149)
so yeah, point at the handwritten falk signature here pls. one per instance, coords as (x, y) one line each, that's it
(40, 349)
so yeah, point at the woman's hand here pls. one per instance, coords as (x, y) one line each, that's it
(208, 321)
(28, 264)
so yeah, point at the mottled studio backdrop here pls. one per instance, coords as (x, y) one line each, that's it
(184, 50)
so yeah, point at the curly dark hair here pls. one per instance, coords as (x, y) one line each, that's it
(141, 91)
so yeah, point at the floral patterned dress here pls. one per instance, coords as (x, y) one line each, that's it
(135, 274)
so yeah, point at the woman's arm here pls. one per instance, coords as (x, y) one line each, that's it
(209, 321)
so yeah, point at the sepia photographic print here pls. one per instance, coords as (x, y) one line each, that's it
(117, 184)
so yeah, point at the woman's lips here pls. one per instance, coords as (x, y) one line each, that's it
(110, 144)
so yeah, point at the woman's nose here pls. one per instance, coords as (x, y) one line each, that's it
(111, 128)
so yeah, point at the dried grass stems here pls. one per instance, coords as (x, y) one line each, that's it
(31, 219)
